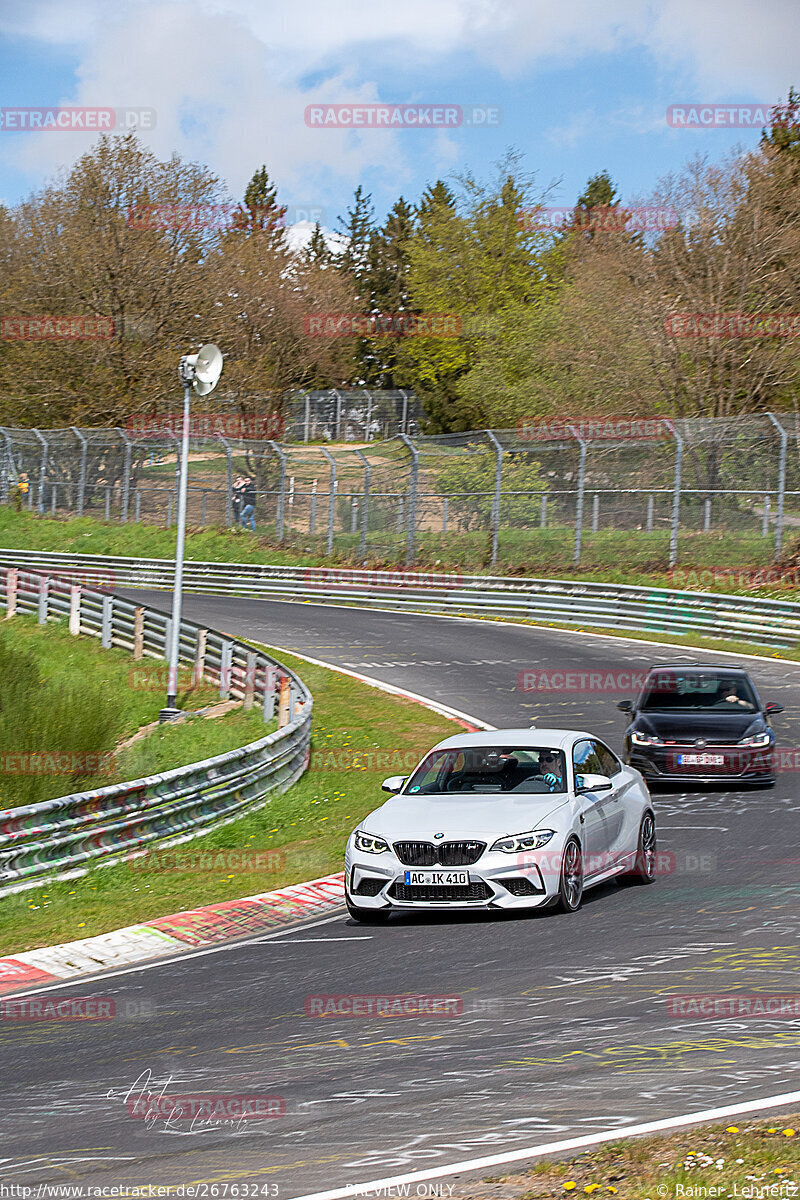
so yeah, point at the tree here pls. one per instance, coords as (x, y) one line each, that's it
(474, 472)
(386, 279)
(107, 241)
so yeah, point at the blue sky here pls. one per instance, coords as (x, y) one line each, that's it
(583, 86)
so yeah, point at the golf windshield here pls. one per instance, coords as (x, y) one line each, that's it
(693, 691)
(528, 769)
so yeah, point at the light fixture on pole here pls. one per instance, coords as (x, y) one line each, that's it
(199, 373)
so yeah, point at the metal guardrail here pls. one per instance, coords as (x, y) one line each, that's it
(564, 602)
(47, 839)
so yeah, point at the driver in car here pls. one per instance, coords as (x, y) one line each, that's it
(550, 767)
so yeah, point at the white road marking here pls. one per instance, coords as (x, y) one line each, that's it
(592, 1139)
(82, 980)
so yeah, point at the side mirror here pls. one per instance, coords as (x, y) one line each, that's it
(769, 709)
(592, 783)
(625, 706)
(394, 784)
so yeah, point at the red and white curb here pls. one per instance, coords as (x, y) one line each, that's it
(166, 936)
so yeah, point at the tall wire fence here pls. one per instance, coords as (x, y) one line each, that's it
(700, 490)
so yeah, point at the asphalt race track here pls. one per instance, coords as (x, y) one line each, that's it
(566, 1028)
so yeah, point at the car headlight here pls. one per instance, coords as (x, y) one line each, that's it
(524, 841)
(757, 739)
(645, 739)
(369, 843)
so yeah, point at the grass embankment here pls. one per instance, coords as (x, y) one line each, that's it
(748, 1158)
(70, 703)
(709, 562)
(296, 836)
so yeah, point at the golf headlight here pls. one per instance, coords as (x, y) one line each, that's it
(370, 844)
(645, 739)
(524, 841)
(757, 739)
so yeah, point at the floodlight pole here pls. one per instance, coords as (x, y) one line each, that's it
(177, 590)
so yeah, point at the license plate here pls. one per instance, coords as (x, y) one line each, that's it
(701, 760)
(437, 878)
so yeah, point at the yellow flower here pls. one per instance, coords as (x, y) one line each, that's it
(787, 1132)
(732, 1129)
(591, 1187)
(81, 924)
(570, 1185)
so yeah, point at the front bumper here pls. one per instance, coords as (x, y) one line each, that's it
(747, 764)
(496, 881)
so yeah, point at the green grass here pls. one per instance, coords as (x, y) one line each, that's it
(64, 694)
(307, 826)
(743, 1158)
(612, 556)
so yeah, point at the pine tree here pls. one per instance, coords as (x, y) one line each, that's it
(261, 212)
(358, 229)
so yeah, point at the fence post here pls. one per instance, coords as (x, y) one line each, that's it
(707, 515)
(404, 421)
(781, 484)
(9, 468)
(12, 583)
(226, 659)
(332, 496)
(169, 510)
(138, 506)
(576, 556)
(543, 512)
(280, 509)
(138, 632)
(676, 499)
(269, 692)
(108, 612)
(312, 512)
(368, 430)
(364, 502)
(284, 702)
(44, 596)
(306, 418)
(42, 469)
(199, 669)
(595, 512)
(250, 680)
(108, 503)
(765, 518)
(338, 425)
(75, 612)
(228, 481)
(412, 497)
(649, 514)
(126, 475)
(498, 478)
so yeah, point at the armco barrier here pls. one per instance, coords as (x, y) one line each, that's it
(45, 840)
(600, 605)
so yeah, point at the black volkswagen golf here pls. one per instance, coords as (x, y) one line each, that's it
(702, 723)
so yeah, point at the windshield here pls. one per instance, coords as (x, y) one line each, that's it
(711, 691)
(534, 770)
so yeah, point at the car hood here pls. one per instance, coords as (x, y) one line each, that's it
(464, 816)
(673, 726)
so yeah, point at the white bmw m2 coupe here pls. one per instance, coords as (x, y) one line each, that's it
(511, 818)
